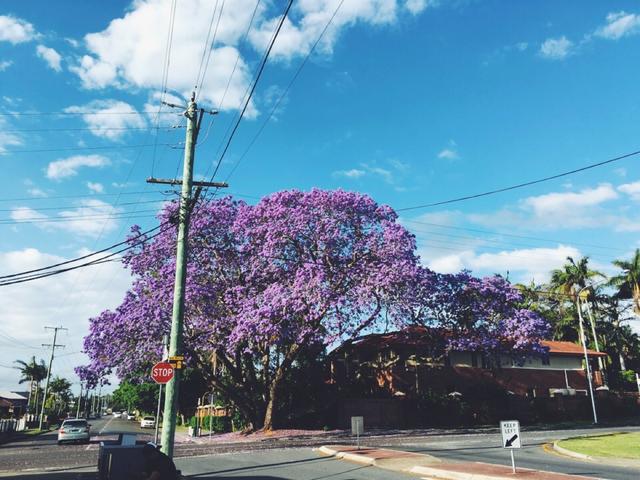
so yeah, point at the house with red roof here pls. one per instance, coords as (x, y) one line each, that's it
(410, 362)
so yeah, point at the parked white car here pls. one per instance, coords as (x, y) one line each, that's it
(74, 430)
(131, 416)
(148, 422)
(116, 414)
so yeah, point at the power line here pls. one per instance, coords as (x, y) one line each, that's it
(521, 185)
(286, 90)
(88, 112)
(233, 71)
(91, 195)
(70, 149)
(253, 88)
(526, 237)
(107, 258)
(83, 257)
(73, 218)
(165, 78)
(84, 129)
(207, 46)
(40, 209)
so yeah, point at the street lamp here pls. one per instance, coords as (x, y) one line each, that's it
(584, 348)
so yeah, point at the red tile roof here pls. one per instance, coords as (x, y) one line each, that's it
(569, 349)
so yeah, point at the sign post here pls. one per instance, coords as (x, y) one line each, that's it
(510, 430)
(357, 428)
(638, 381)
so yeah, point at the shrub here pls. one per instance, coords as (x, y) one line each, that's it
(217, 424)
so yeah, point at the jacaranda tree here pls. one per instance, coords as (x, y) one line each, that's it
(264, 281)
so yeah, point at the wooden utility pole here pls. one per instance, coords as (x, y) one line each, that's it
(53, 346)
(194, 119)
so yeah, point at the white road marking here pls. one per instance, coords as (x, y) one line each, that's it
(106, 425)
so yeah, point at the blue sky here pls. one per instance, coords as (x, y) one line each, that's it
(410, 101)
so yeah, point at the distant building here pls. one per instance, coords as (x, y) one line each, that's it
(410, 362)
(12, 404)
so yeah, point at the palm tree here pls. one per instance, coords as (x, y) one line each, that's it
(568, 281)
(60, 389)
(628, 282)
(34, 373)
(572, 277)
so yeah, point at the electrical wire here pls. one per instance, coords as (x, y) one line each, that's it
(511, 235)
(207, 46)
(70, 149)
(165, 78)
(84, 129)
(24, 277)
(71, 218)
(63, 113)
(253, 88)
(521, 185)
(91, 195)
(286, 90)
(233, 71)
(83, 257)
(40, 209)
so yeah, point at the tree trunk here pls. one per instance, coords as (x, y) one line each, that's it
(30, 394)
(276, 380)
(623, 365)
(270, 411)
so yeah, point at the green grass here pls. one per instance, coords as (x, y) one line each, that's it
(617, 445)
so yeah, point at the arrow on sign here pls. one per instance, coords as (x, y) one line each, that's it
(510, 441)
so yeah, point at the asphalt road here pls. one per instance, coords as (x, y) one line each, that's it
(275, 460)
(487, 448)
(42, 451)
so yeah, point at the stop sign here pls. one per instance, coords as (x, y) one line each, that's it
(162, 372)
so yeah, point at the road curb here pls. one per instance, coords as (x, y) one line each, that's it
(444, 474)
(352, 457)
(570, 453)
(435, 469)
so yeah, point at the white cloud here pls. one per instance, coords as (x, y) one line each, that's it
(448, 154)
(583, 209)
(631, 189)
(15, 30)
(418, 6)
(90, 218)
(109, 118)
(95, 187)
(23, 214)
(564, 203)
(523, 265)
(130, 51)
(37, 192)
(353, 173)
(4, 64)
(69, 300)
(618, 25)
(7, 139)
(296, 38)
(50, 56)
(556, 48)
(68, 167)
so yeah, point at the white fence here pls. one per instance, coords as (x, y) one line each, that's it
(13, 425)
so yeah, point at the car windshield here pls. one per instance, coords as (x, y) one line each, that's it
(75, 423)
(148, 418)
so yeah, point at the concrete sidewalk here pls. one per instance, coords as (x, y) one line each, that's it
(431, 467)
